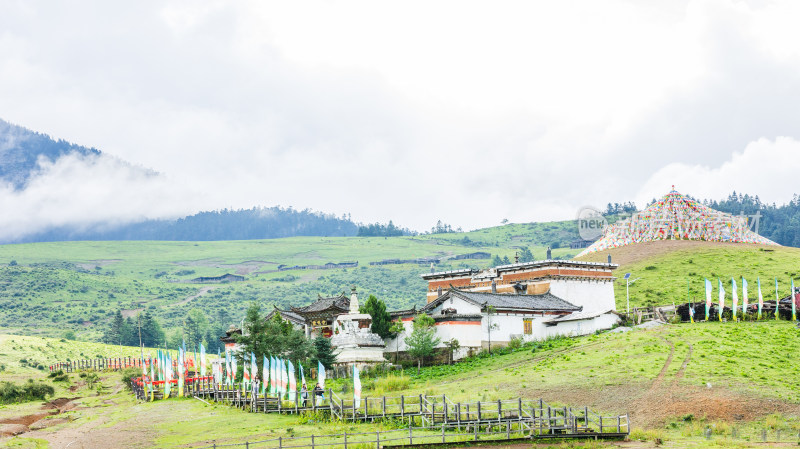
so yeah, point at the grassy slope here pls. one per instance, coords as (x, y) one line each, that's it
(751, 385)
(76, 285)
(665, 268)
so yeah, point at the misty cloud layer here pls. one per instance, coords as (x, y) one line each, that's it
(466, 112)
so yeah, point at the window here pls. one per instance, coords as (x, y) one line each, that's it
(527, 325)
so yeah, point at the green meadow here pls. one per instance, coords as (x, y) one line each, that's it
(51, 288)
(675, 381)
(677, 275)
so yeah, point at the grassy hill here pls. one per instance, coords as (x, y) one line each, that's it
(666, 267)
(675, 381)
(49, 288)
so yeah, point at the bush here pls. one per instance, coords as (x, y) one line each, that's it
(129, 373)
(514, 343)
(29, 391)
(59, 376)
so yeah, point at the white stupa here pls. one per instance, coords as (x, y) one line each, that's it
(353, 338)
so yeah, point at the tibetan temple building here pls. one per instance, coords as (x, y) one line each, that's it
(314, 319)
(589, 285)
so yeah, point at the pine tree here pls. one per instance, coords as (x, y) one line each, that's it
(113, 334)
(275, 336)
(152, 333)
(324, 352)
(381, 321)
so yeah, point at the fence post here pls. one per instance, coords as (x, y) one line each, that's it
(402, 406)
(475, 426)
(410, 435)
(479, 411)
(312, 441)
(384, 406)
(345, 439)
(442, 433)
(280, 442)
(499, 410)
(377, 440)
(508, 430)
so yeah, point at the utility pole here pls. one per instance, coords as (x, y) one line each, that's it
(628, 283)
(141, 348)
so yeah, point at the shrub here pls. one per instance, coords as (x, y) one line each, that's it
(514, 343)
(128, 373)
(59, 376)
(29, 391)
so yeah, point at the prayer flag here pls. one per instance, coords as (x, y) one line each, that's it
(181, 378)
(760, 298)
(264, 376)
(708, 299)
(246, 377)
(273, 365)
(321, 375)
(777, 301)
(228, 379)
(744, 297)
(794, 305)
(721, 299)
(356, 389)
(234, 371)
(284, 378)
(202, 360)
(152, 378)
(292, 381)
(735, 303)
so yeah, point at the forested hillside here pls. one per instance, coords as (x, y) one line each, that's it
(21, 148)
(243, 224)
(781, 224)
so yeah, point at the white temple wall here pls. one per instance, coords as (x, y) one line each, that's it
(583, 327)
(591, 295)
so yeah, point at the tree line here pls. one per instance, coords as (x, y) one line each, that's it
(146, 330)
(781, 224)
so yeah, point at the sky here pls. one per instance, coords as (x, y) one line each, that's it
(416, 111)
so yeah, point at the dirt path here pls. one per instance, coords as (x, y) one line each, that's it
(682, 371)
(201, 292)
(24, 424)
(660, 378)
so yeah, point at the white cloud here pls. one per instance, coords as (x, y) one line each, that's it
(766, 167)
(81, 191)
(460, 111)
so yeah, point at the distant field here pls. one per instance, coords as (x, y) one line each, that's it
(666, 267)
(49, 288)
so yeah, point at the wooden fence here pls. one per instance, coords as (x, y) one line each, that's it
(100, 364)
(418, 411)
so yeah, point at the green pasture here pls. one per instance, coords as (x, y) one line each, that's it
(758, 358)
(664, 277)
(48, 289)
(745, 360)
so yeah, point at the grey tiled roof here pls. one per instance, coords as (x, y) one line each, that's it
(336, 302)
(411, 311)
(508, 301)
(545, 301)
